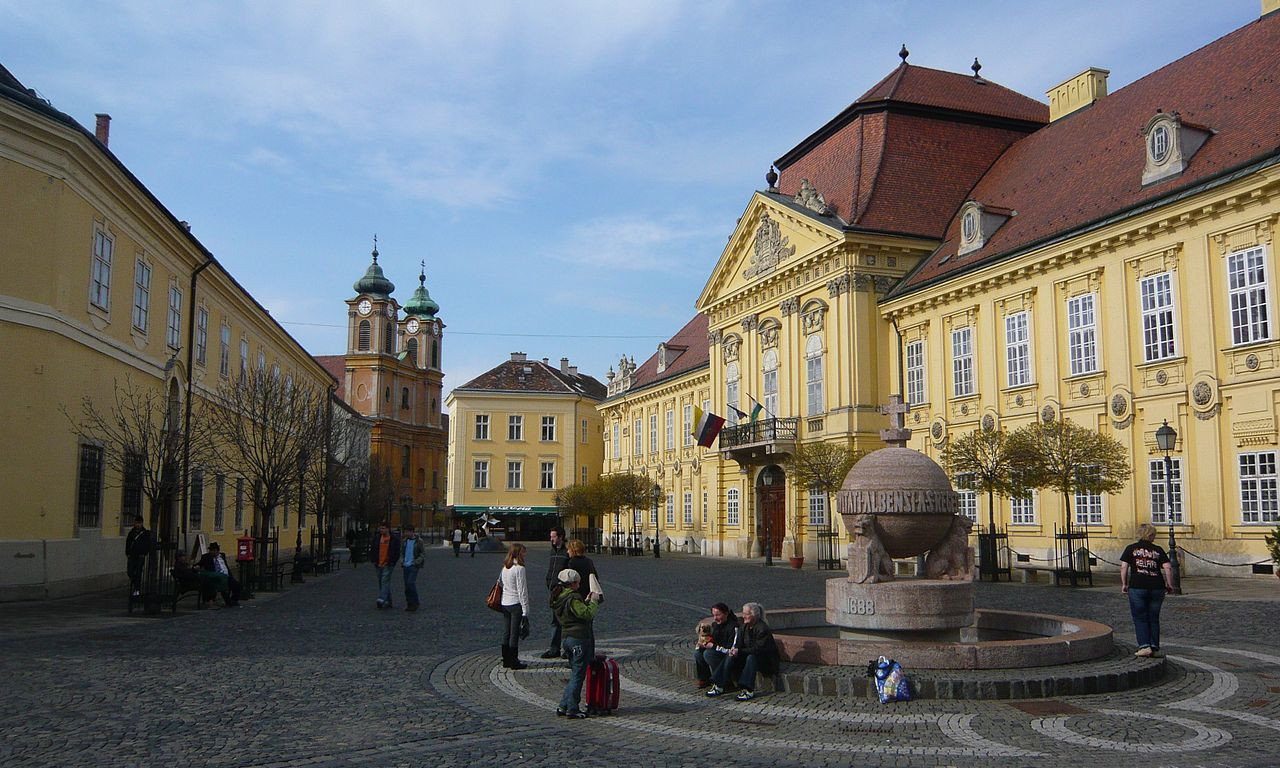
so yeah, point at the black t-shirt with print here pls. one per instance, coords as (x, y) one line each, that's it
(1145, 561)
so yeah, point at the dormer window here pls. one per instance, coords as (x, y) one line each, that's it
(1170, 145)
(662, 357)
(978, 223)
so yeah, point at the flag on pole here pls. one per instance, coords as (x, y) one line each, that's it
(742, 415)
(706, 426)
(756, 409)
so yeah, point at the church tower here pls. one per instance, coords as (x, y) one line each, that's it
(422, 333)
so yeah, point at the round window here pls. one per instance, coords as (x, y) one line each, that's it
(1159, 143)
(969, 226)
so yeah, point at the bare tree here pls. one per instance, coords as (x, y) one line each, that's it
(266, 430)
(822, 466)
(1070, 458)
(988, 461)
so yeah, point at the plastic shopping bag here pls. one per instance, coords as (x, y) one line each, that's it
(891, 680)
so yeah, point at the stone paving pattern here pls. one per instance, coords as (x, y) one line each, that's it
(317, 677)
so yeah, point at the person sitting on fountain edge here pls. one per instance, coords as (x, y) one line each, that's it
(754, 652)
(712, 650)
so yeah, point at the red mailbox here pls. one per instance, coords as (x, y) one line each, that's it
(244, 549)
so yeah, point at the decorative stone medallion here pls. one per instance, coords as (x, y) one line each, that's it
(938, 431)
(1251, 362)
(964, 409)
(1019, 400)
(1047, 414)
(1202, 393)
(988, 423)
(1119, 405)
(1084, 390)
(1162, 377)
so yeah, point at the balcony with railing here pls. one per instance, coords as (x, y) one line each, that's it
(759, 439)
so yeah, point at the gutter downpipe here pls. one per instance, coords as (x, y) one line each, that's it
(186, 423)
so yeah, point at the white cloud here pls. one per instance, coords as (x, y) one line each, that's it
(638, 244)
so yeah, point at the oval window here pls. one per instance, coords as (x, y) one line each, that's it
(1159, 143)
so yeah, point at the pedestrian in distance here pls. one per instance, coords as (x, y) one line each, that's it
(558, 562)
(1146, 576)
(137, 545)
(457, 541)
(384, 552)
(472, 539)
(515, 606)
(415, 553)
(576, 616)
(754, 652)
(215, 569)
(713, 648)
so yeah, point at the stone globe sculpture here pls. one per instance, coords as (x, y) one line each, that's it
(909, 495)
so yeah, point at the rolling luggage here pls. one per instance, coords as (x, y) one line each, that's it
(602, 685)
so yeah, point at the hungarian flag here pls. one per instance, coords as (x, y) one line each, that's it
(706, 426)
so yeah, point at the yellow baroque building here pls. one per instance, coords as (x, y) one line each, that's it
(100, 285)
(648, 430)
(518, 433)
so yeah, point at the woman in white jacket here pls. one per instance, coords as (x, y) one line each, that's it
(515, 607)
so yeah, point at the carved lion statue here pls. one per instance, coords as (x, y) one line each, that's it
(868, 560)
(953, 558)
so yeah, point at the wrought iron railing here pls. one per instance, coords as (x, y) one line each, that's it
(763, 431)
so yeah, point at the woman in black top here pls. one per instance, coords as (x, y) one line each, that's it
(1146, 577)
(579, 562)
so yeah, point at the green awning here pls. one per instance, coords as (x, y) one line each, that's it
(501, 510)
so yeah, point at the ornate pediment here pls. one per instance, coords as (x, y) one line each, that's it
(771, 247)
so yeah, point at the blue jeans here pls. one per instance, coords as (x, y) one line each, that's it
(411, 585)
(384, 583)
(707, 661)
(743, 665)
(580, 653)
(1145, 604)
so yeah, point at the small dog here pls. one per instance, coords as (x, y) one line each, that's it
(704, 632)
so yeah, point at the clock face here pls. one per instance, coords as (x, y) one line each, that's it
(412, 325)
(364, 307)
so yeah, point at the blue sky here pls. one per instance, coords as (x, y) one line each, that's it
(569, 171)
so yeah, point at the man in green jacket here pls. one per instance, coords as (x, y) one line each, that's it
(575, 616)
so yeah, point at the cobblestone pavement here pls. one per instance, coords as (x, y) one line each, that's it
(317, 677)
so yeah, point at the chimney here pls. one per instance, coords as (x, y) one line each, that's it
(564, 365)
(573, 370)
(102, 129)
(517, 357)
(1077, 92)
(546, 361)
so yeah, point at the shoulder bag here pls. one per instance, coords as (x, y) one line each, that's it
(494, 600)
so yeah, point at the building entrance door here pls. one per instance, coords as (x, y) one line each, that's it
(771, 488)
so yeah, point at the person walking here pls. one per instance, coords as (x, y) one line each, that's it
(576, 616)
(415, 553)
(559, 561)
(384, 551)
(515, 606)
(1146, 576)
(457, 541)
(472, 539)
(137, 545)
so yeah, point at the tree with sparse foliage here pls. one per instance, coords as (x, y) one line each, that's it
(822, 467)
(1069, 458)
(267, 430)
(988, 462)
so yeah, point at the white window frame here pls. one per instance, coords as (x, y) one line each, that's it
(817, 508)
(202, 334)
(481, 426)
(815, 376)
(1155, 474)
(688, 508)
(653, 432)
(617, 440)
(515, 474)
(1017, 345)
(731, 393)
(244, 361)
(1249, 300)
(173, 328)
(547, 475)
(1022, 509)
(1155, 293)
(1089, 509)
(769, 368)
(1082, 333)
(141, 294)
(670, 428)
(915, 372)
(1259, 501)
(100, 274)
(548, 429)
(586, 432)
(671, 509)
(480, 474)
(962, 384)
(515, 427)
(732, 508)
(688, 424)
(637, 438)
(705, 501)
(968, 496)
(224, 354)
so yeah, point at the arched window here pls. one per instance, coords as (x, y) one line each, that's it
(770, 367)
(817, 403)
(363, 344)
(404, 397)
(731, 392)
(412, 348)
(389, 338)
(435, 354)
(731, 507)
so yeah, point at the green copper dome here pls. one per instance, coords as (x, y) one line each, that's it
(374, 282)
(421, 303)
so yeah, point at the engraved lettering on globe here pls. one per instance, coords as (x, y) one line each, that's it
(909, 494)
(1118, 405)
(1202, 393)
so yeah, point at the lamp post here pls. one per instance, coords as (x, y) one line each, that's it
(1166, 439)
(657, 533)
(767, 480)
(435, 510)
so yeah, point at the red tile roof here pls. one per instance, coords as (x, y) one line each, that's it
(901, 158)
(534, 376)
(687, 350)
(336, 365)
(1087, 166)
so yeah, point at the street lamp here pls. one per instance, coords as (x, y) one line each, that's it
(1166, 439)
(767, 480)
(657, 537)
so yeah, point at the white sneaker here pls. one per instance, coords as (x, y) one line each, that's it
(714, 690)
(1144, 651)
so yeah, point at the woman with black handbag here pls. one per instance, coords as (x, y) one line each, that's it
(515, 607)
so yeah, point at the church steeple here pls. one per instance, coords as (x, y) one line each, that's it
(421, 303)
(374, 283)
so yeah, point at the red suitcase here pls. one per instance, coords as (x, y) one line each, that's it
(602, 685)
